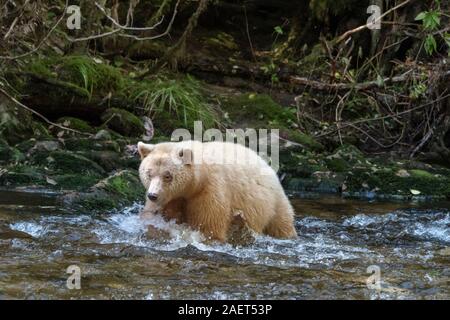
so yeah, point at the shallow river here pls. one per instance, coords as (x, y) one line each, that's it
(341, 244)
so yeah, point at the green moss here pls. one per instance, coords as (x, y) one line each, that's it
(385, 181)
(301, 165)
(92, 76)
(305, 140)
(40, 131)
(88, 144)
(5, 151)
(126, 184)
(15, 122)
(19, 175)
(350, 153)
(108, 160)
(41, 67)
(417, 173)
(257, 109)
(123, 122)
(114, 192)
(222, 41)
(337, 165)
(76, 124)
(26, 145)
(67, 162)
(314, 184)
(74, 181)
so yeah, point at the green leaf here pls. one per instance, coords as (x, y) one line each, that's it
(430, 45)
(421, 16)
(380, 81)
(431, 20)
(278, 30)
(447, 39)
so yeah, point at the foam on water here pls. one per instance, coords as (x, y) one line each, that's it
(321, 241)
(128, 228)
(34, 229)
(421, 225)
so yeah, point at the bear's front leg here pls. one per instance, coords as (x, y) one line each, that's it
(211, 215)
(150, 209)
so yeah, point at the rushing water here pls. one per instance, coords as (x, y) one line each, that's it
(338, 241)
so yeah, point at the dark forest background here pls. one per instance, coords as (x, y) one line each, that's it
(311, 68)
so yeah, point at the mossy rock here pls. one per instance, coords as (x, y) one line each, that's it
(20, 175)
(114, 192)
(76, 182)
(76, 124)
(9, 154)
(303, 139)
(386, 182)
(89, 144)
(301, 165)
(40, 131)
(108, 160)
(350, 154)
(123, 122)
(337, 164)
(256, 110)
(67, 161)
(44, 178)
(80, 72)
(15, 122)
(328, 182)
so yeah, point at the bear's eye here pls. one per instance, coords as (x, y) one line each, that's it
(167, 176)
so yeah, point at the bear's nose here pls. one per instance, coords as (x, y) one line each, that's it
(152, 196)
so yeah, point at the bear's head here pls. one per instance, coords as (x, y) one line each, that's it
(165, 171)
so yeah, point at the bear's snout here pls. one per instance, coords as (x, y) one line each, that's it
(152, 196)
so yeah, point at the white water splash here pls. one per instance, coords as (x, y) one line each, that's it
(34, 229)
(128, 228)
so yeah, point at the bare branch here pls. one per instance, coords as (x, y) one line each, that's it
(126, 28)
(364, 26)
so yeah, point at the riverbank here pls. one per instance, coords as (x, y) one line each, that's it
(94, 167)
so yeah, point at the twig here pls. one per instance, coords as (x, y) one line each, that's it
(126, 28)
(364, 26)
(321, 86)
(387, 116)
(20, 104)
(248, 34)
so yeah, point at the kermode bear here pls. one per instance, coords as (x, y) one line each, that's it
(206, 185)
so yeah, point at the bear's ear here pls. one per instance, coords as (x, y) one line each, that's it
(186, 156)
(144, 149)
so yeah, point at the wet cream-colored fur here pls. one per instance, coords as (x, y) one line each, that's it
(206, 184)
